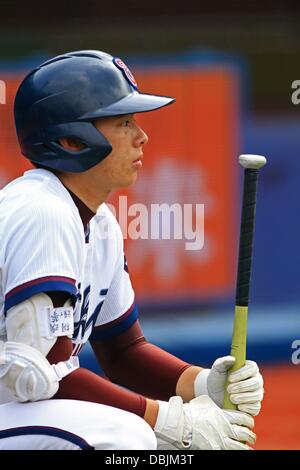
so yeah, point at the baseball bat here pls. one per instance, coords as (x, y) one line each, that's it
(251, 164)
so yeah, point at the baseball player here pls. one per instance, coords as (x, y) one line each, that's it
(64, 281)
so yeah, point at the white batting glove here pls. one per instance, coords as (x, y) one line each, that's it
(245, 389)
(201, 425)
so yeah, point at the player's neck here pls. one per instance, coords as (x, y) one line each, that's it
(91, 193)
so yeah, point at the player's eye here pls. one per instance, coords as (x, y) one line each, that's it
(126, 123)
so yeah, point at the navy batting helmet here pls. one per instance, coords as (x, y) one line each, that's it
(62, 97)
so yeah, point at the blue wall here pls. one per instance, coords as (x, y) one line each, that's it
(276, 266)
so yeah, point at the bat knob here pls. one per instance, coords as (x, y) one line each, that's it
(253, 162)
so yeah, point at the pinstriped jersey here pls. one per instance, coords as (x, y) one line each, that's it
(44, 247)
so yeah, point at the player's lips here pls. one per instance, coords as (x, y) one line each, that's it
(138, 162)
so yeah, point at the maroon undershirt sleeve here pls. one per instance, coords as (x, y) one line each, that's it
(129, 360)
(84, 385)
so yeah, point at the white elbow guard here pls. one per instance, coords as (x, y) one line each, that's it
(32, 329)
(28, 374)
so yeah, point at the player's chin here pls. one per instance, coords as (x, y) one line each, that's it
(133, 176)
(133, 180)
(129, 180)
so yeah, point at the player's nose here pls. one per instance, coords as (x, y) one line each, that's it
(142, 137)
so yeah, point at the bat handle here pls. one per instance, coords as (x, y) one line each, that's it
(238, 348)
(238, 344)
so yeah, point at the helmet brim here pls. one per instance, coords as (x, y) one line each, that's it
(134, 103)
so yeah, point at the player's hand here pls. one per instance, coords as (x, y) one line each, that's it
(202, 425)
(245, 387)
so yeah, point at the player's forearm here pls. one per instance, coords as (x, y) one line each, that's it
(84, 385)
(146, 369)
(164, 375)
(185, 384)
(151, 412)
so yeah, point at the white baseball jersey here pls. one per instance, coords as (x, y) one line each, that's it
(44, 247)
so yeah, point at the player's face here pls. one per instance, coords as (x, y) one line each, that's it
(127, 139)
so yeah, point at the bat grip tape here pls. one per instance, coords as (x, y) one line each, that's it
(246, 237)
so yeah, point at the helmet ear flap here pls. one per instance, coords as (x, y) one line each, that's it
(46, 143)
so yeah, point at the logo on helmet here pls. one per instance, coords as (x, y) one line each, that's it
(125, 70)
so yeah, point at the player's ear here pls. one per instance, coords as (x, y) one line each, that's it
(71, 143)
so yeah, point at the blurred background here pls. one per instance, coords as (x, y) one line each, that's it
(231, 66)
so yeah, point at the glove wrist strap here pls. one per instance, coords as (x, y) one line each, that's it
(200, 383)
(163, 407)
(64, 368)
